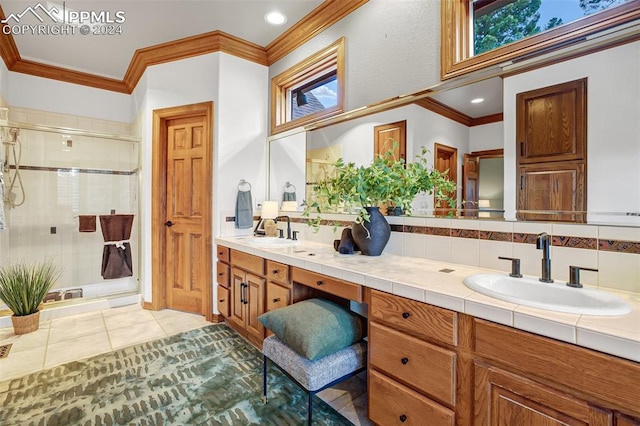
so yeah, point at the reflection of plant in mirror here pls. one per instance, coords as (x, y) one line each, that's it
(385, 181)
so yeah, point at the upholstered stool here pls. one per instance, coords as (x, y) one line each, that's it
(313, 376)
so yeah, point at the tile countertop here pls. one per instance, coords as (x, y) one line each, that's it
(425, 281)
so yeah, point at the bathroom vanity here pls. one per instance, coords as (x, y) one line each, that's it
(440, 353)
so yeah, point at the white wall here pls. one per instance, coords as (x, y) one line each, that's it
(238, 89)
(392, 48)
(486, 137)
(39, 93)
(613, 129)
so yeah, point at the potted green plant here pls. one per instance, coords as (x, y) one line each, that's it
(386, 180)
(23, 287)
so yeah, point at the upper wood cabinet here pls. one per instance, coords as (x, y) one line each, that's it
(551, 138)
(552, 123)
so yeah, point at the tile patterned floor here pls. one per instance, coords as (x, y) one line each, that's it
(80, 336)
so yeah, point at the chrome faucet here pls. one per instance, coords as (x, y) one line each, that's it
(288, 225)
(543, 241)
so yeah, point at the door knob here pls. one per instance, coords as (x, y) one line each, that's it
(168, 223)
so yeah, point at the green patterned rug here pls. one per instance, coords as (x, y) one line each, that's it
(208, 376)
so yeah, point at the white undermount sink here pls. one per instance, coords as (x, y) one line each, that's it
(556, 296)
(273, 242)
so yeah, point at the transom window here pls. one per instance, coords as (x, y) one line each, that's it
(476, 34)
(310, 90)
(499, 22)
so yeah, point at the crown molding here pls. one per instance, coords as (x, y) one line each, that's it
(322, 17)
(214, 41)
(455, 115)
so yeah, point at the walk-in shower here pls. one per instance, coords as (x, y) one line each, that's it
(60, 182)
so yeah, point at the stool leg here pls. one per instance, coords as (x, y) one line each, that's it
(264, 378)
(310, 408)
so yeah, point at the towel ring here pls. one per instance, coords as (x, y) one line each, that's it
(289, 185)
(244, 182)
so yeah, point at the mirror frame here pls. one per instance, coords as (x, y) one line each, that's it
(455, 37)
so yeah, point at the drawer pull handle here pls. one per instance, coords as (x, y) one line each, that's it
(319, 282)
(275, 271)
(406, 315)
(220, 274)
(220, 253)
(221, 300)
(403, 418)
(405, 361)
(276, 300)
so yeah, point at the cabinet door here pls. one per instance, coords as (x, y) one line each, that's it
(223, 301)
(552, 123)
(237, 299)
(254, 305)
(505, 399)
(552, 188)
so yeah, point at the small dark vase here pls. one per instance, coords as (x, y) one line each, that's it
(373, 242)
(394, 211)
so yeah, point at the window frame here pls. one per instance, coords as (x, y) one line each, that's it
(456, 34)
(316, 65)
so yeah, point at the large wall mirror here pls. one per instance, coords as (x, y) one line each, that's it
(487, 130)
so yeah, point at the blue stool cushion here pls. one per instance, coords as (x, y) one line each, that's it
(314, 328)
(314, 375)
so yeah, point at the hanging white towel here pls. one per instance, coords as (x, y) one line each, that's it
(2, 221)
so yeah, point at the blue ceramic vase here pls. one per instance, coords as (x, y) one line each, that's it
(372, 243)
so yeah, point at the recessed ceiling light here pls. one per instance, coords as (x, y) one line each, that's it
(477, 100)
(275, 18)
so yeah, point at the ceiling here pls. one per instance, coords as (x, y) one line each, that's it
(146, 23)
(149, 23)
(460, 98)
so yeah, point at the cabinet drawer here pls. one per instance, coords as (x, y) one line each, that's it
(223, 254)
(222, 275)
(390, 403)
(277, 296)
(415, 318)
(277, 272)
(421, 365)
(223, 301)
(333, 286)
(248, 262)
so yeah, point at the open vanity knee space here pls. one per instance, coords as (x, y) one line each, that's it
(440, 365)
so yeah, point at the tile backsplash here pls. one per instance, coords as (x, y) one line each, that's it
(613, 250)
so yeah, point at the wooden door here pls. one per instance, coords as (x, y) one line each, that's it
(470, 185)
(445, 160)
(182, 172)
(185, 227)
(551, 136)
(237, 298)
(384, 137)
(506, 399)
(254, 305)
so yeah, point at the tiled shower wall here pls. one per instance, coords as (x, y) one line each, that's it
(62, 180)
(613, 250)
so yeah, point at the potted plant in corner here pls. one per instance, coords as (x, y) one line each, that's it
(23, 287)
(385, 181)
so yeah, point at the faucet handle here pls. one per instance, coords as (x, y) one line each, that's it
(295, 235)
(281, 232)
(574, 275)
(515, 266)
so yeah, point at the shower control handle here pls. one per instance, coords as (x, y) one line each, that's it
(169, 223)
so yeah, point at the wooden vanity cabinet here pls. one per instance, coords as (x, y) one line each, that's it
(247, 291)
(412, 362)
(523, 378)
(222, 278)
